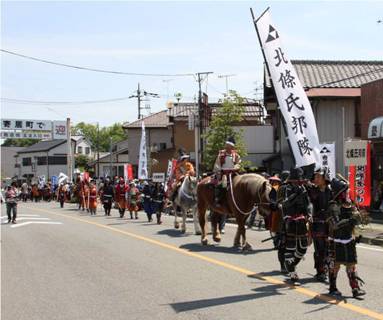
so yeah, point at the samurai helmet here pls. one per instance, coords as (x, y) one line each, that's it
(296, 174)
(230, 141)
(324, 172)
(338, 186)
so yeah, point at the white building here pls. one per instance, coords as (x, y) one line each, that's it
(83, 146)
(47, 158)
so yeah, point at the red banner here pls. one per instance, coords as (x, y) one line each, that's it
(360, 181)
(128, 172)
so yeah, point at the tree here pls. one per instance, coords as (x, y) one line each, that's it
(81, 161)
(90, 132)
(25, 142)
(221, 127)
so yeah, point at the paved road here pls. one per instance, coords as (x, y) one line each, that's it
(110, 268)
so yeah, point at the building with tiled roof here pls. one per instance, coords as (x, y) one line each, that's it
(155, 120)
(334, 90)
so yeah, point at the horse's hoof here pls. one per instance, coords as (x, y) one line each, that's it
(176, 226)
(198, 233)
(183, 230)
(217, 239)
(247, 247)
(204, 242)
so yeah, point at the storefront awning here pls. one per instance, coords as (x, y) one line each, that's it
(375, 128)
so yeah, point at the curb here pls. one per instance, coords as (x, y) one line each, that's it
(371, 241)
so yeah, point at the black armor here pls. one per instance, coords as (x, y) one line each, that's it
(295, 211)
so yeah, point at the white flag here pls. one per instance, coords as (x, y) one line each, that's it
(62, 178)
(143, 160)
(292, 99)
(327, 158)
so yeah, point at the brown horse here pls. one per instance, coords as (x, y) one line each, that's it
(245, 192)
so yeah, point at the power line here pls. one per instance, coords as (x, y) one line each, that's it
(39, 102)
(95, 69)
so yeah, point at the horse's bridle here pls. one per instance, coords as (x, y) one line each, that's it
(235, 203)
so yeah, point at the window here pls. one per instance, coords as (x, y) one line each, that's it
(57, 160)
(79, 149)
(87, 150)
(41, 161)
(27, 162)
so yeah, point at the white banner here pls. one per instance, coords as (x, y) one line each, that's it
(355, 152)
(62, 178)
(292, 99)
(21, 124)
(143, 160)
(327, 158)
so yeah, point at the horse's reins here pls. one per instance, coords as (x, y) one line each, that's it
(235, 203)
(192, 197)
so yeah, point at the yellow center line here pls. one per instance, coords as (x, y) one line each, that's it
(307, 292)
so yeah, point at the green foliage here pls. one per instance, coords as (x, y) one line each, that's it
(19, 142)
(221, 127)
(81, 161)
(90, 132)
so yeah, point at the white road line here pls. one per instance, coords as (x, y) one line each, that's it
(22, 215)
(30, 218)
(33, 222)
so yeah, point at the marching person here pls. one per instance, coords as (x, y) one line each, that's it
(11, 197)
(107, 196)
(92, 197)
(24, 192)
(320, 196)
(133, 197)
(275, 217)
(61, 194)
(295, 212)
(343, 218)
(148, 192)
(158, 200)
(121, 190)
(183, 168)
(227, 162)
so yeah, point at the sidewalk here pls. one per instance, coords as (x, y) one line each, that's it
(372, 233)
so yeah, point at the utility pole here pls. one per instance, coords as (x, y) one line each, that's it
(110, 157)
(69, 150)
(201, 117)
(141, 94)
(98, 151)
(226, 76)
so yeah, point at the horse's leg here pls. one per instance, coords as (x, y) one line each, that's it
(197, 228)
(184, 214)
(237, 237)
(241, 226)
(214, 226)
(202, 221)
(176, 224)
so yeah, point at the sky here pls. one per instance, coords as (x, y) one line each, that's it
(167, 38)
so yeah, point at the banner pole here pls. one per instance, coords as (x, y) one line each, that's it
(271, 81)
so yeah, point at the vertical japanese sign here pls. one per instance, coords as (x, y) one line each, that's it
(128, 172)
(169, 173)
(292, 99)
(143, 160)
(327, 158)
(360, 181)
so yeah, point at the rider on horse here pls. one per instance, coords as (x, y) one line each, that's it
(227, 162)
(183, 168)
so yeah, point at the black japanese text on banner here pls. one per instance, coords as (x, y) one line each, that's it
(143, 160)
(327, 158)
(292, 99)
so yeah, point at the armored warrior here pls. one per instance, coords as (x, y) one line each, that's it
(227, 162)
(343, 218)
(296, 213)
(121, 190)
(320, 196)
